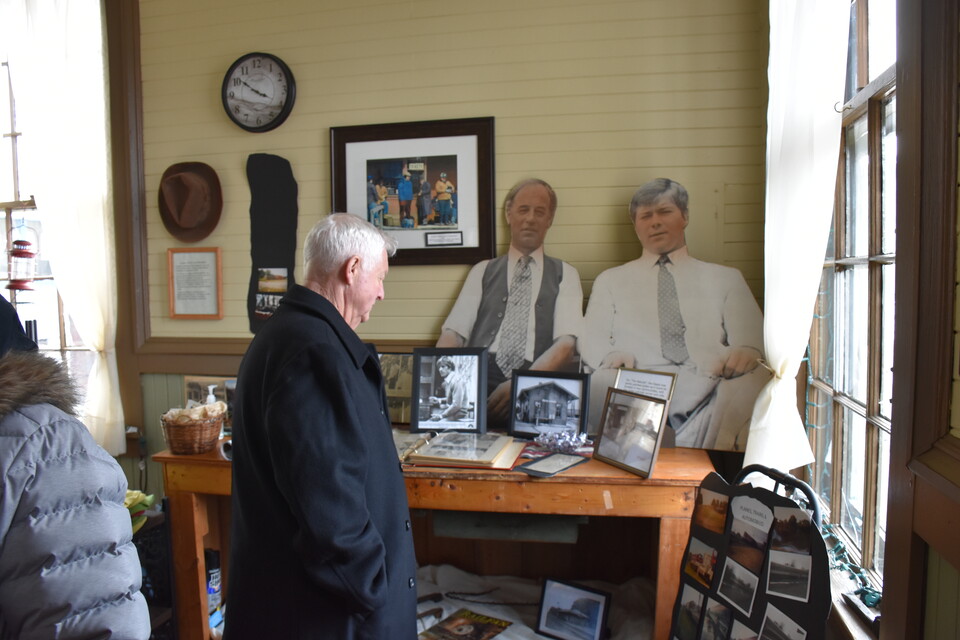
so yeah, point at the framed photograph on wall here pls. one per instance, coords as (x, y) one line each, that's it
(427, 184)
(631, 430)
(397, 371)
(449, 390)
(569, 611)
(548, 402)
(195, 283)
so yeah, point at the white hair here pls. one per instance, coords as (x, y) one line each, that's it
(338, 237)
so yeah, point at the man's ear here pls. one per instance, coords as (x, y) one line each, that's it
(351, 269)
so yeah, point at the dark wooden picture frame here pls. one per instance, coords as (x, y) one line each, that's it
(397, 369)
(463, 148)
(449, 398)
(548, 402)
(571, 611)
(631, 431)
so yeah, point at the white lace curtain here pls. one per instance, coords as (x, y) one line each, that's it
(806, 70)
(57, 59)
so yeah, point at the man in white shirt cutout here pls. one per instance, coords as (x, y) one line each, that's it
(720, 326)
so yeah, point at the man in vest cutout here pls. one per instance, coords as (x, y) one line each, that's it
(525, 307)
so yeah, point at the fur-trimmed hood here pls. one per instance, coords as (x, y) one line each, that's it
(29, 378)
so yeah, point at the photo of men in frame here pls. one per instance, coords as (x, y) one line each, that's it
(412, 193)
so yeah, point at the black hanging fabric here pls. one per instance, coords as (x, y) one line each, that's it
(273, 234)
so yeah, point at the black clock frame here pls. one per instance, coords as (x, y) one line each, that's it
(287, 106)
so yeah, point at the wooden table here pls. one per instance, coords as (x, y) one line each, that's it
(193, 484)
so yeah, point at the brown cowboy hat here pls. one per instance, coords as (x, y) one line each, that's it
(190, 200)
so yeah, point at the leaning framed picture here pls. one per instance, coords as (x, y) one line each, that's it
(569, 611)
(428, 184)
(397, 369)
(631, 430)
(449, 390)
(548, 402)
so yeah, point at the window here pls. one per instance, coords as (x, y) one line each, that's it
(851, 343)
(39, 306)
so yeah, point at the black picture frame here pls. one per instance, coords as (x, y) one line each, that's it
(462, 148)
(431, 411)
(548, 402)
(397, 369)
(571, 611)
(631, 431)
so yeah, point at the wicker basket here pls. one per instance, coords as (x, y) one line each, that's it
(197, 436)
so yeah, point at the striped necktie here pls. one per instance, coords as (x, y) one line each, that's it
(513, 337)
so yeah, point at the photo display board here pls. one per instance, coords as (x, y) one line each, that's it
(755, 567)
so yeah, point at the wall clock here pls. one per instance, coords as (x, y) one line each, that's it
(258, 92)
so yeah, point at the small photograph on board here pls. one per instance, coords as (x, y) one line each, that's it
(738, 586)
(271, 285)
(448, 382)
(569, 611)
(749, 532)
(792, 530)
(789, 575)
(717, 620)
(710, 510)
(688, 617)
(397, 371)
(631, 431)
(741, 631)
(778, 626)
(548, 402)
(701, 562)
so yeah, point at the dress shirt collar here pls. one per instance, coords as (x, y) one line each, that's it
(513, 256)
(649, 258)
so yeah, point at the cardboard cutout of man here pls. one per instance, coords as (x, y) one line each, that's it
(667, 311)
(525, 306)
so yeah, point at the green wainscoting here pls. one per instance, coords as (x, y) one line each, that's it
(942, 615)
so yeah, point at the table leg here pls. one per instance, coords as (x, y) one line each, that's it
(188, 516)
(674, 533)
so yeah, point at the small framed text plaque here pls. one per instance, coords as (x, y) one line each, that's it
(195, 283)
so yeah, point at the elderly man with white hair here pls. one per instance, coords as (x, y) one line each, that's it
(321, 543)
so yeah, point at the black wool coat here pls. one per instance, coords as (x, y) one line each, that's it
(321, 545)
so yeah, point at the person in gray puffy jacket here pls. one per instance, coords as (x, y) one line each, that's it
(68, 565)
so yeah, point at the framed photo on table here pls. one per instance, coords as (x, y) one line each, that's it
(397, 369)
(427, 184)
(569, 611)
(449, 390)
(548, 402)
(631, 431)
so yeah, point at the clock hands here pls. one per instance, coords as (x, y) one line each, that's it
(256, 91)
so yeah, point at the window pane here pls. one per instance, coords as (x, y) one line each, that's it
(858, 191)
(881, 36)
(887, 276)
(883, 480)
(852, 85)
(820, 418)
(41, 305)
(852, 316)
(888, 188)
(821, 333)
(854, 458)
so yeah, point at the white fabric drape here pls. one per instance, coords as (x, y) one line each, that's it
(808, 42)
(58, 64)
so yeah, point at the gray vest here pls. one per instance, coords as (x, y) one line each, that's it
(493, 304)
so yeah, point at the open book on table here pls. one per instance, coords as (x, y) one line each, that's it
(458, 449)
(465, 623)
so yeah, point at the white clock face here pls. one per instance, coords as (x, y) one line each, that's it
(258, 92)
